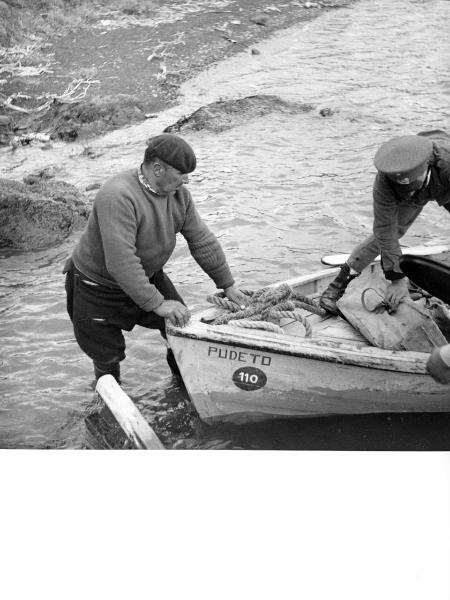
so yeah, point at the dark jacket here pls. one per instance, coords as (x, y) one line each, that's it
(388, 202)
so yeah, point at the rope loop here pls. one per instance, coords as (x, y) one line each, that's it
(223, 302)
(265, 308)
(308, 304)
(267, 325)
(294, 314)
(376, 303)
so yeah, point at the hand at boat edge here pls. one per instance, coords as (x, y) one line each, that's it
(177, 313)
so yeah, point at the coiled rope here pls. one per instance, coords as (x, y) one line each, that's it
(265, 309)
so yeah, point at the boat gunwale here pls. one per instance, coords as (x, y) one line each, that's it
(389, 360)
(352, 354)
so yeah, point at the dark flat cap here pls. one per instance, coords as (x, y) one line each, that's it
(403, 159)
(173, 150)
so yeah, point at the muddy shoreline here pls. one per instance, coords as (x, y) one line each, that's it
(114, 72)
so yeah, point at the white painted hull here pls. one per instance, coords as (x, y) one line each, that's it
(241, 375)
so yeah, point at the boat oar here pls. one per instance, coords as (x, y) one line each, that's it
(335, 260)
(135, 427)
(434, 278)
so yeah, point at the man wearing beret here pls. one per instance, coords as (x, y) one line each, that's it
(115, 278)
(411, 171)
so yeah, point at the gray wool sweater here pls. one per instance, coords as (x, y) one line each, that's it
(131, 233)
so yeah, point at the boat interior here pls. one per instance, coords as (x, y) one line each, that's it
(328, 330)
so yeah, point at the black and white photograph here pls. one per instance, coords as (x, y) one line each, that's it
(225, 226)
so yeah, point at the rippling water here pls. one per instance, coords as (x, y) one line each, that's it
(279, 191)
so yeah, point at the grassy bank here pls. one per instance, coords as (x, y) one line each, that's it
(25, 21)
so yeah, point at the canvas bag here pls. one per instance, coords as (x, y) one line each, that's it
(410, 328)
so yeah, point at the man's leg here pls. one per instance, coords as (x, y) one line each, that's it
(359, 259)
(99, 316)
(362, 256)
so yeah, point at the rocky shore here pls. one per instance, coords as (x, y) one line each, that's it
(120, 67)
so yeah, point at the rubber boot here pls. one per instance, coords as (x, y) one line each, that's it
(335, 290)
(107, 369)
(172, 363)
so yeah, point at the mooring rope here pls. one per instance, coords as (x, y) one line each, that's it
(265, 309)
(247, 324)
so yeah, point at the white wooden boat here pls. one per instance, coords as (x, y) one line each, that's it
(238, 375)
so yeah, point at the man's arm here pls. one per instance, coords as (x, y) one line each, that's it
(208, 253)
(385, 229)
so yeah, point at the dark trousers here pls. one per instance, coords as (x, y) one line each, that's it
(99, 314)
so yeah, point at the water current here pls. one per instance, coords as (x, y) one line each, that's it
(279, 191)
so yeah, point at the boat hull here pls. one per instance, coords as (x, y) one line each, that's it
(240, 383)
(238, 375)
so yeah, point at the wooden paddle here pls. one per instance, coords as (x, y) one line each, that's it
(135, 427)
(431, 275)
(335, 260)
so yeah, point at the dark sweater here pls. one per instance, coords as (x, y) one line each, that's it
(131, 233)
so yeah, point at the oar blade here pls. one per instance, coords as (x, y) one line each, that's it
(431, 275)
(336, 260)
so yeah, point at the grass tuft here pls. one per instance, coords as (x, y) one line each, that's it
(25, 20)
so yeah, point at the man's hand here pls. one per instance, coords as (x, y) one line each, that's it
(438, 364)
(396, 291)
(235, 295)
(177, 313)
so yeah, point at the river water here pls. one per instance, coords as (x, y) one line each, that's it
(279, 191)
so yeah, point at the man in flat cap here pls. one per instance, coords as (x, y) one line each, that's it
(115, 278)
(411, 171)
